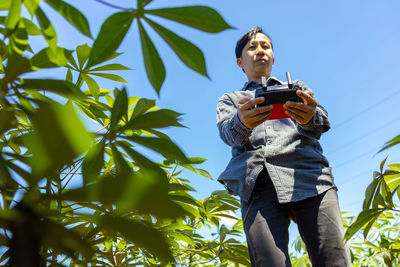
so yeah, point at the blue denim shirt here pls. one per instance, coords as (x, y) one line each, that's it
(290, 152)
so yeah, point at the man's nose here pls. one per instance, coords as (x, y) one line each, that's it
(260, 50)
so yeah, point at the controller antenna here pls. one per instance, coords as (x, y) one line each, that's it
(264, 81)
(289, 80)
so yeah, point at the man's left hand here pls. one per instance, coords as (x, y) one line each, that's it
(302, 112)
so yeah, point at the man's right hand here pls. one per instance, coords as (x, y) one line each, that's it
(251, 116)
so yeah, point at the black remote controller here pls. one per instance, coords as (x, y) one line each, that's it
(279, 94)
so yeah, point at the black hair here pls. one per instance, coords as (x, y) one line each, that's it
(246, 38)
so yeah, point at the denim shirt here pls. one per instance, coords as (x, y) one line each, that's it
(290, 152)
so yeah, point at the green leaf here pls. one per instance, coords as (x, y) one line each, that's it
(141, 235)
(92, 85)
(46, 58)
(391, 178)
(73, 128)
(378, 200)
(110, 37)
(7, 120)
(69, 77)
(183, 237)
(394, 166)
(120, 108)
(61, 87)
(398, 193)
(158, 133)
(145, 192)
(196, 160)
(56, 128)
(21, 172)
(31, 28)
(19, 41)
(362, 219)
(155, 119)
(180, 187)
(154, 66)
(390, 143)
(223, 207)
(14, 14)
(163, 146)
(386, 192)
(369, 226)
(382, 164)
(132, 100)
(72, 15)
(93, 162)
(141, 160)
(142, 106)
(5, 4)
(184, 197)
(200, 17)
(143, 3)
(47, 29)
(190, 54)
(16, 66)
(64, 240)
(31, 6)
(6, 180)
(109, 76)
(121, 165)
(82, 52)
(111, 67)
(196, 170)
(231, 257)
(369, 193)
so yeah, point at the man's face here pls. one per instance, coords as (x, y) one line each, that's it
(257, 57)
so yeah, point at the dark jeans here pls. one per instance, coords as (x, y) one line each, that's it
(318, 219)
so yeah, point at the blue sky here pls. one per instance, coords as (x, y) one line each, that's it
(346, 51)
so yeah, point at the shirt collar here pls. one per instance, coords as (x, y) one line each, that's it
(251, 85)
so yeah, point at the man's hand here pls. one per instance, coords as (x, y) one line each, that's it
(302, 112)
(251, 116)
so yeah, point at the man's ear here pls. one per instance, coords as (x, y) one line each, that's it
(239, 62)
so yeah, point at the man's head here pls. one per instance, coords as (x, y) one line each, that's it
(254, 54)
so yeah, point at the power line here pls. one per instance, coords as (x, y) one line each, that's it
(371, 107)
(352, 203)
(357, 176)
(355, 140)
(356, 157)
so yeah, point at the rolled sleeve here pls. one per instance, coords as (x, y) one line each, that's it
(318, 124)
(231, 130)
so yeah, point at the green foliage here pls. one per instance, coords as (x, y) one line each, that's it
(95, 198)
(378, 221)
(299, 257)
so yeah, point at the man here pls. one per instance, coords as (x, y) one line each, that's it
(277, 167)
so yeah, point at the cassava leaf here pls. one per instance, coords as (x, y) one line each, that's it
(155, 119)
(163, 146)
(72, 15)
(111, 67)
(154, 66)
(190, 54)
(110, 37)
(200, 17)
(61, 87)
